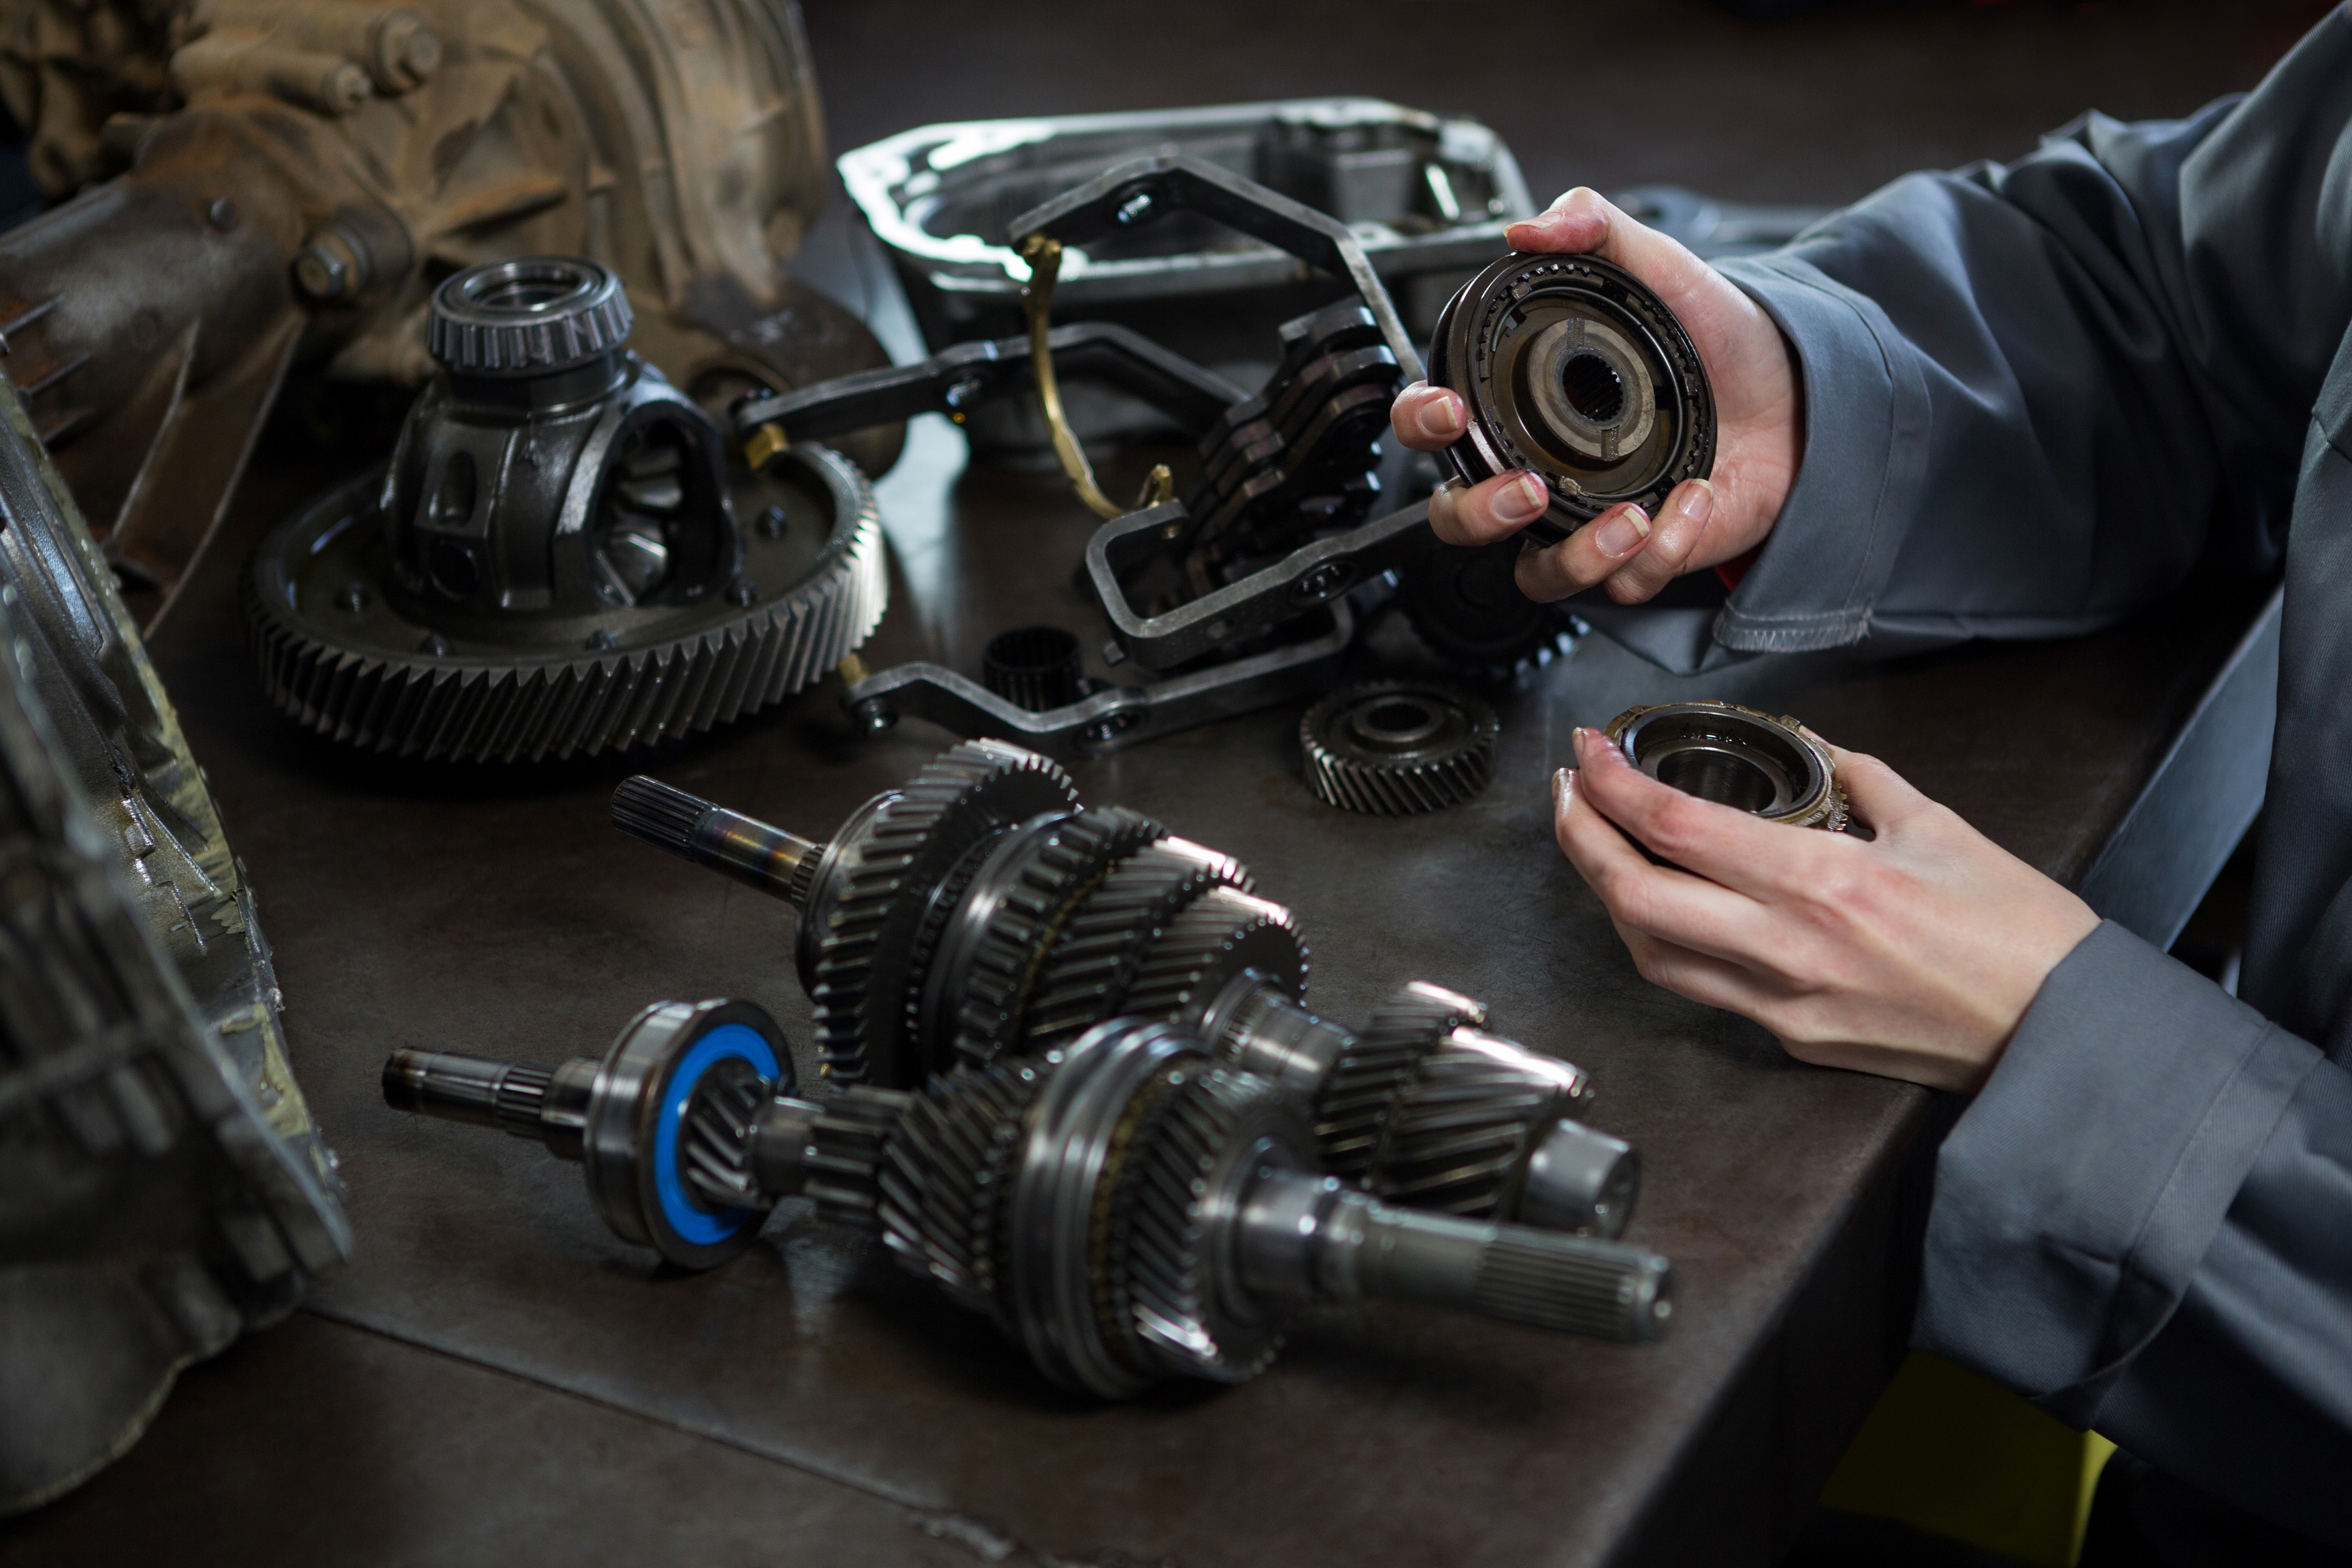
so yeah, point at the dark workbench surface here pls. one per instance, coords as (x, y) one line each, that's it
(494, 1377)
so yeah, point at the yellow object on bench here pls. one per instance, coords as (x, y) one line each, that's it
(1948, 1451)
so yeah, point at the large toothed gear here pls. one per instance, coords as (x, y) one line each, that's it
(885, 920)
(341, 660)
(1173, 1298)
(1087, 974)
(1017, 916)
(943, 1180)
(1398, 748)
(1354, 1101)
(1222, 935)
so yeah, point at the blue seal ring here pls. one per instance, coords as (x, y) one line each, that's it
(688, 1219)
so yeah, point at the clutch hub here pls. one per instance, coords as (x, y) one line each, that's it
(550, 565)
(1738, 757)
(1574, 369)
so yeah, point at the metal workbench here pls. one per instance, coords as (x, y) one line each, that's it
(495, 1378)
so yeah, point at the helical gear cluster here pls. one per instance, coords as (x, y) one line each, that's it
(1128, 1208)
(983, 913)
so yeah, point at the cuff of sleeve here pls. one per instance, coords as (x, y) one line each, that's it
(1866, 429)
(2076, 1196)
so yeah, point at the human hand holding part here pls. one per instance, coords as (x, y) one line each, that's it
(1759, 441)
(1913, 955)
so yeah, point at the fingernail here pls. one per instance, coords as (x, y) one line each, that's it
(1559, 782)
(1521, 501)
(1577, 739)
(1622, 533)
(1697, 500)
(1440, 418)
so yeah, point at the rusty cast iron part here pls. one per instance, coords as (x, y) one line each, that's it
(557, 562)
(1573, 369)
(1738, 757)
(274, 186)
(982, 912)
(1128, 1208)
(162, 1185)
(1397, 748)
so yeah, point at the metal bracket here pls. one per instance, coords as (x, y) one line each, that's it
(1316, 572)
(1141, 189)
(1109, 720)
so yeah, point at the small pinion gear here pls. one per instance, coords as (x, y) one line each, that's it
(1356, 1097)
(1398, 748)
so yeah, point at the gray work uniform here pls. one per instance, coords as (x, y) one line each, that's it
(2036, 397)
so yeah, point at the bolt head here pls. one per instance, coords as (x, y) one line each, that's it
(222, 214)
(741, 594)
(769, 524)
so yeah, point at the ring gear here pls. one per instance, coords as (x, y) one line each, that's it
(678, 674)
(1398, 748)
(866, 985)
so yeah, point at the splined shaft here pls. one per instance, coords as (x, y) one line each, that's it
(777, 863)
(1309, 1238)
(663, 1121)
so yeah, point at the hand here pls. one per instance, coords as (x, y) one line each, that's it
(1912, 956)
(1758, 429)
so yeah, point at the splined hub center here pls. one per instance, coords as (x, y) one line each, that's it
(1573, 369)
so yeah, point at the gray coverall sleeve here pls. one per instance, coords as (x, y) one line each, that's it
(2038, 396)
(2144, 1224)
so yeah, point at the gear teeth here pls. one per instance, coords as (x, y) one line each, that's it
(1222, 933)
(1085, 976)
(945, 1174)
(847, 1143)
(716, 1152)
(1345, 769)
(1354, 1099)
(456, 710)
(1460, 1129)
(866, 957)
(1163, 1296)
(1029, 921)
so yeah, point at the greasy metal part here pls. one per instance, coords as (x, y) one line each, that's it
(1738, 757)
(981, 914)
(162, 1187)
(663, 1122)
(1219, 1225)
(552, 567)
(1574, 369)
(1397, 748)
(1127, 1209)
(291, 179)
(1428, 198)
